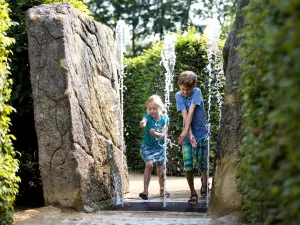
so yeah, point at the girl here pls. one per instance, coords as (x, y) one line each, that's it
(153, 145)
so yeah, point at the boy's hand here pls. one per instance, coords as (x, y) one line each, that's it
(182, 136)
(193, 141)
(142, 123)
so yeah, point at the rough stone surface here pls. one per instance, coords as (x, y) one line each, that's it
(225, 197)
(231, 219)
(76, 108)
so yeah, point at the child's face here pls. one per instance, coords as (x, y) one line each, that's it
(152, 108)
(186, 91)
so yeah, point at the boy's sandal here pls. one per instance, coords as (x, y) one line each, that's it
(193, 199)
(203, 191)
(143, 196)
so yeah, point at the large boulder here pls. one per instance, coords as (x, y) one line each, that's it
(225, 198)
(76, 108)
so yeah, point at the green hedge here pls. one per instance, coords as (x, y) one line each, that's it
(78, 4)
(8, 164)
(269, 169)
(145, 76)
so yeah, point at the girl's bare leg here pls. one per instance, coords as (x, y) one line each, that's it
(160, 175)
(147, 176)
(161, 180)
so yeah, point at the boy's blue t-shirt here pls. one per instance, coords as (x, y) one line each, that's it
(158, 125)
(199, 125)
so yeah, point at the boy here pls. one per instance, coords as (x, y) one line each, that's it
(195, 131)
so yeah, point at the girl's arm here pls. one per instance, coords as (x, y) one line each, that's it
(143, 122)
(159, 135)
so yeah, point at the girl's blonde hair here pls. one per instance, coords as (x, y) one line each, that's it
(158, 101)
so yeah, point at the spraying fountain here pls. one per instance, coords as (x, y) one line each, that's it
(120, 48)
(168, 60)
(212, 31)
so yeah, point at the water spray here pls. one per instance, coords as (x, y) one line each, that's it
(212, 31)
(120, 47)
(168, 60)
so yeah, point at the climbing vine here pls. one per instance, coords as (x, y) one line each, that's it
(8, 164)
(269, 169)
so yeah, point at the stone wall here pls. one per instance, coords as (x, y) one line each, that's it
(225, 198)
(76, 108)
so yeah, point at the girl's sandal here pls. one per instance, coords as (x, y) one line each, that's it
(143, 196)
(193, 199)
(164, 194)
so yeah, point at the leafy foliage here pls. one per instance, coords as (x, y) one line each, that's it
(145, 76)
(78, 4)
(8, 164)
(146, 18)
(224, 10)
(269, 169)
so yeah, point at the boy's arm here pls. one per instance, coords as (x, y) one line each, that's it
(187, 119)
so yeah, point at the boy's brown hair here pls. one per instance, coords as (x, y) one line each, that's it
(187, 79)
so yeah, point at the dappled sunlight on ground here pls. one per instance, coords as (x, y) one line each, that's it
(177, 186)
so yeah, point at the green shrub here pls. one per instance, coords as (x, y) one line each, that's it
(269, 169)
(145, 76)
(8, 164)
(78, 4)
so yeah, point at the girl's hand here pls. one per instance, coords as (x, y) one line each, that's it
(142, 123)
(152, 132)
(156, 134)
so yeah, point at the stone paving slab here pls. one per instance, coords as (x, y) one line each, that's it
(179, 197)
(53, 216)
(167, 206)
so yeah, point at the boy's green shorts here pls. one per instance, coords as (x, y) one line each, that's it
(201, 155)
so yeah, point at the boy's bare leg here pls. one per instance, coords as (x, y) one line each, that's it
(190, 179)
(204, 179)
(147, 176)
(204, 190)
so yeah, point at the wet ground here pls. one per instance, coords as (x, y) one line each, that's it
(135, 211)
(177, 186)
